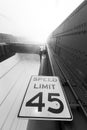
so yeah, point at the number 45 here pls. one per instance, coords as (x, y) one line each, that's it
(50, 99)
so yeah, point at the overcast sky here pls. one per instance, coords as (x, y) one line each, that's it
(34, 19)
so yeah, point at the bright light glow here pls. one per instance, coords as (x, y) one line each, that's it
(34, 19)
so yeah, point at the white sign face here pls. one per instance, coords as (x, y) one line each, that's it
(45, 99)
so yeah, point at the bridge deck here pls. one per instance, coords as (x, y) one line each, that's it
(15, 74)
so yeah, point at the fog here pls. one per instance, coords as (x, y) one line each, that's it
(34, 19)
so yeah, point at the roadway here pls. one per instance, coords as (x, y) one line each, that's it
(15, 74)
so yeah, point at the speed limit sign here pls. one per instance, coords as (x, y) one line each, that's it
(45, 99)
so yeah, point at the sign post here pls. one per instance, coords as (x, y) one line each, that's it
(45, 99)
